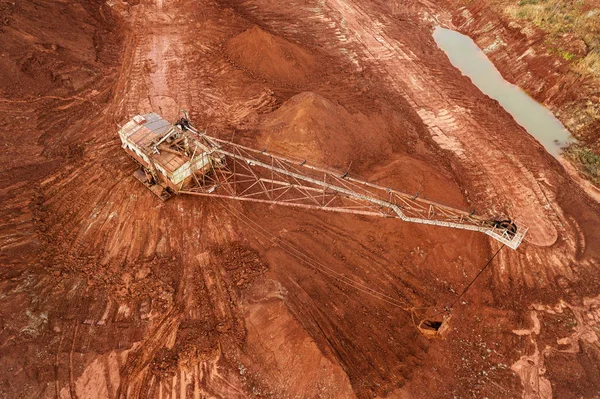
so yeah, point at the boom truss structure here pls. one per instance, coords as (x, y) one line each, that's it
(245, 174)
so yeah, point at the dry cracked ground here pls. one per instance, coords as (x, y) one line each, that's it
(107, 292)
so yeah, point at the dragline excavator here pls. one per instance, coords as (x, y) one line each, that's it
(180, 159)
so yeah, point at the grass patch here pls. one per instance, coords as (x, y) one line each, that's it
(590, 63)
(588, 159)
(566, 55)
(560, 17)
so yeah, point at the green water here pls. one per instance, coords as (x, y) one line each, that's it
(533, 116)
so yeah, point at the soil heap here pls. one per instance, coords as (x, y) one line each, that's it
(310, 126)
(270, 57)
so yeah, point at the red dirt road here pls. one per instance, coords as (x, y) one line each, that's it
(108, 292)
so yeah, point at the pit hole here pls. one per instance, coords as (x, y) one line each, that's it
(431, 325)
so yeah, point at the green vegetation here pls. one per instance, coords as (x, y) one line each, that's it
(588, 159)
(589, 63)
(567, 56)
(528, 2)
(560, 17)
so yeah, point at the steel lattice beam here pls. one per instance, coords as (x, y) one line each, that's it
(257, 176)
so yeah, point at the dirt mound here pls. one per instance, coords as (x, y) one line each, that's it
(271, 57)
(309, 126)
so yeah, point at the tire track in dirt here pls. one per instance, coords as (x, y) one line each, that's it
(158, 310)
(494, 166)
(500, 164)
(449, 126)
(107, 217)
(503, 168)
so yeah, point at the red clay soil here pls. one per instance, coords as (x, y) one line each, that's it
(270, 57)
(108, 292)
(315, 128)
(50, 47)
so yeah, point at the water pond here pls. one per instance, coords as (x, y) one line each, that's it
(465, 55)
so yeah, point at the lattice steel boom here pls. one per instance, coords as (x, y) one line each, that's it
(245, 174)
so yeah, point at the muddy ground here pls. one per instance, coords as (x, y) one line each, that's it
(108, 292)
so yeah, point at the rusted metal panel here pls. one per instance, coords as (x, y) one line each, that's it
(143, 138)
(170, 162)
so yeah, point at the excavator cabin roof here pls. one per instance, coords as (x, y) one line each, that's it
(165, 148)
